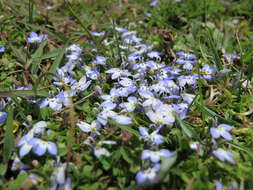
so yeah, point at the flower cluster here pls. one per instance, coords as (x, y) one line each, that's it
(31, 141)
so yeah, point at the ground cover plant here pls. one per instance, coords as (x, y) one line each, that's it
(124, 94)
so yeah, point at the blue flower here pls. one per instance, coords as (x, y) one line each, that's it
(221, 130)
(2, 49)
(100, 60)
(153, 138)
(93, 127)
(224, 155)
(35, 38)
(130, 105)
(186, 55)
(148, 175)
(155, 156)
(40, 147)
(3, 116)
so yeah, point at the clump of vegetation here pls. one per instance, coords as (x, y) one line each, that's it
(126, 94)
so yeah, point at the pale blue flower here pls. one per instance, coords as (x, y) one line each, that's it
(187, 55)
(81, 85)
(224, 155)
(116, 73)
(148, 175)
(154, 54)
(100, 60)
(2, 49)
(3, 116)
(40, 147)
(98, 34)
(163, 114)
(221, 130)
(155, 156)
(35, 38)
(130, 105)
(74, 48)
(93, 127)
(153, 138)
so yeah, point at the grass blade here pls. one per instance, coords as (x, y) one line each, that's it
(186, 128)
(23, 93)
(206, 110)
(36, 57)
(9, 137)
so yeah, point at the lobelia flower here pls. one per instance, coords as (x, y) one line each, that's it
(99, 151)
(188, 98)
(93, 127)
(100, 60)
(155, 156)
(154, 54)
(163, 114)
(122, 119)
(35, 38)
(186, 55)
(40, 147)
(54, 103)
(188, 66)
(39, 127)
(74, 49)
(116, 73)
(151, 100)
(181, 110)
(3, 116)
(148, 175)
(25, 144)
(154, 3)
(221, 130)
(130, 105)
(153, 138)
(224, 155)
(126, 82)
(2, 49)
(187, 79)
(208, 71)
(194, 145)
(98, 34)
(81, 85)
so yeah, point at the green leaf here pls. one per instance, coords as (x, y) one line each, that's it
(168, 162)
(51, 54)
(204, 109)
(240, 148)
(36, 60)
(19, 54)
(57, 61)
(9, 137)
(214, 50)
(124, 127)
(18, 182)
(126, 155)
(3, 169)
(186, 127)
(23, 93)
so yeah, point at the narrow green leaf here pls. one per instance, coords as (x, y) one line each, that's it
(214, 50)
(57, 61)
(18, 182)
(168, 162)
(23, 93)
(36, 60)
(126, 128)
(240, 148)
(126, 155)
(50, 54)
(19, 54)
(186, 128)
(9, 137)
(213, 114)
